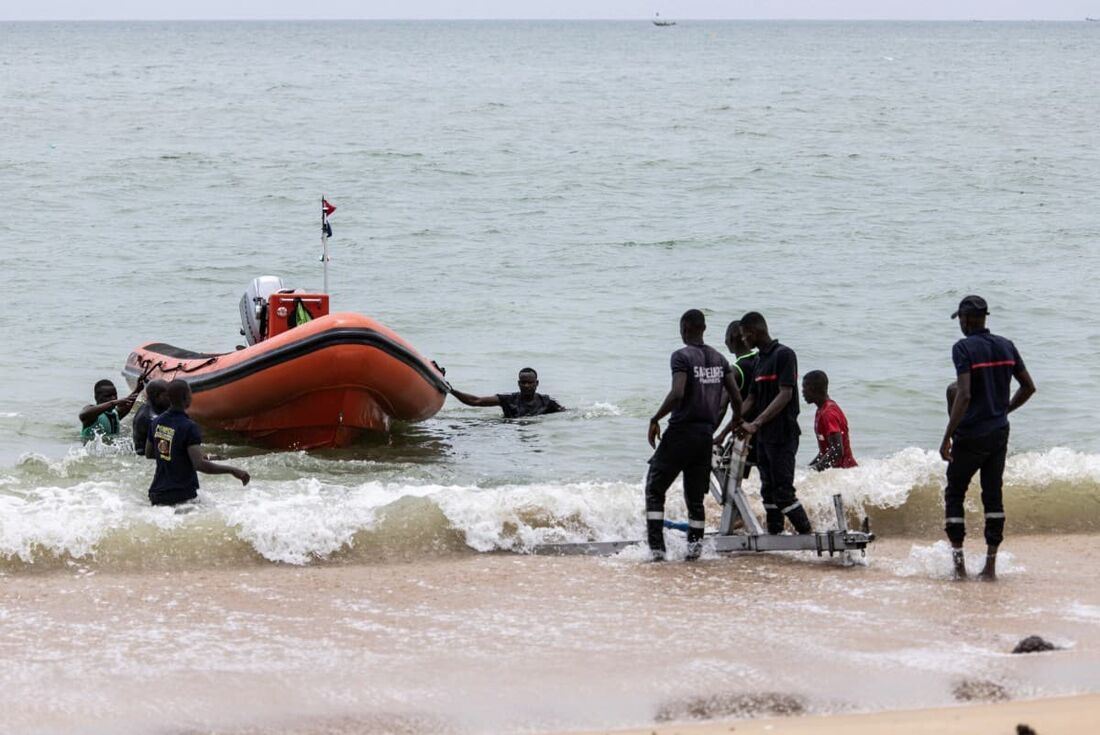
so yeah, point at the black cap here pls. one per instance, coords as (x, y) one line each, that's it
(971, 305)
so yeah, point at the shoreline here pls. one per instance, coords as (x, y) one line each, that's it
(1073, 714)
(487, 643)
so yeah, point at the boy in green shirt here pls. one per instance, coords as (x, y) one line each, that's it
(103, 418)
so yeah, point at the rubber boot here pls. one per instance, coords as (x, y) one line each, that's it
(695, 544)
(989, 571)
(774, 521)
(800, 520)
(655, 534)
(958, 559)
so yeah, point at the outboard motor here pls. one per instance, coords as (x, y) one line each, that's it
(254, 306)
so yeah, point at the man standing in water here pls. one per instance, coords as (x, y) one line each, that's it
(525, 402)
(701, 378)
(103, 417)
(834, 445)
(175, 441)
(976, 438)
(775, 428)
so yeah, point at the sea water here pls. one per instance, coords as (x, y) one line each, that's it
(542, 194)
(552, 195)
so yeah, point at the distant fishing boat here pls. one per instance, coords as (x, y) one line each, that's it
(661, 22)
(1093, 20)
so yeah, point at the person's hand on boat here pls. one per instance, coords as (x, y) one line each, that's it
(654, 432)
(241, 475)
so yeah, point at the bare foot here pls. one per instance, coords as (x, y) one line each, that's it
(989, 571)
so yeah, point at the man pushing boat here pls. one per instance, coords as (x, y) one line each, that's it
(521, 404)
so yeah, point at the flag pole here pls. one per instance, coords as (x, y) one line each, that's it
(324, 241)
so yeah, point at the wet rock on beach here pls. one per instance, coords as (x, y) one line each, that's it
(717, 706)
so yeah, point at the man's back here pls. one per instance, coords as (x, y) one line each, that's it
(991, 361)
(175, 479)
(706, 369)
(829, 420)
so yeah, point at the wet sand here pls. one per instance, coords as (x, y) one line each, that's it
(498, 642)
(1044, 716)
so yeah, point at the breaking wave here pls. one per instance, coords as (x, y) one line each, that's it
(70, 513)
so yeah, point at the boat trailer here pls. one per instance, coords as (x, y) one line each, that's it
(739, 530)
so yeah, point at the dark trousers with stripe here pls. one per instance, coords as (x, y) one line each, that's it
(969, 455)
(775, 462)
(685, 449)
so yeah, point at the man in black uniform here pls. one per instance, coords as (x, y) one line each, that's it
(701, 377)
(525, 402)
(977, 431)
(775, 427)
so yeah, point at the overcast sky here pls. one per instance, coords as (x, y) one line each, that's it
(581, 9)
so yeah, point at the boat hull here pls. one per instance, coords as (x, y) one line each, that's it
(321, 384)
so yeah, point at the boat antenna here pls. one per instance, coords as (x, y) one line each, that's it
(326, 233)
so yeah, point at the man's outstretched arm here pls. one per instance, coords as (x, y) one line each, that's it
(472, 400)
(205, 466)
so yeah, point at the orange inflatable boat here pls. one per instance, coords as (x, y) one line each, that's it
(307, 379)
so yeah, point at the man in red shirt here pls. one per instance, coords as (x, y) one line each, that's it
(830, 424)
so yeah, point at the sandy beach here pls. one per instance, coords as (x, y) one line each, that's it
(510, 643)
(1051, 716)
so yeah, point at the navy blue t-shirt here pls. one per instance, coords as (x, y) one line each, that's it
(706, 370)
(776, 366)
(991, 361)
(175, 479)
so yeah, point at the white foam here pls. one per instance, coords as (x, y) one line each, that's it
(52, 507)
(882, 483)
(1081, 612)
(501, 517)
(1056, 465)
(934, 561)
(59, 519)
(599, 410)
(301, 521)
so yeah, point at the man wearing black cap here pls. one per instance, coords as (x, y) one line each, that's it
(976, 438)
(701, 378)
